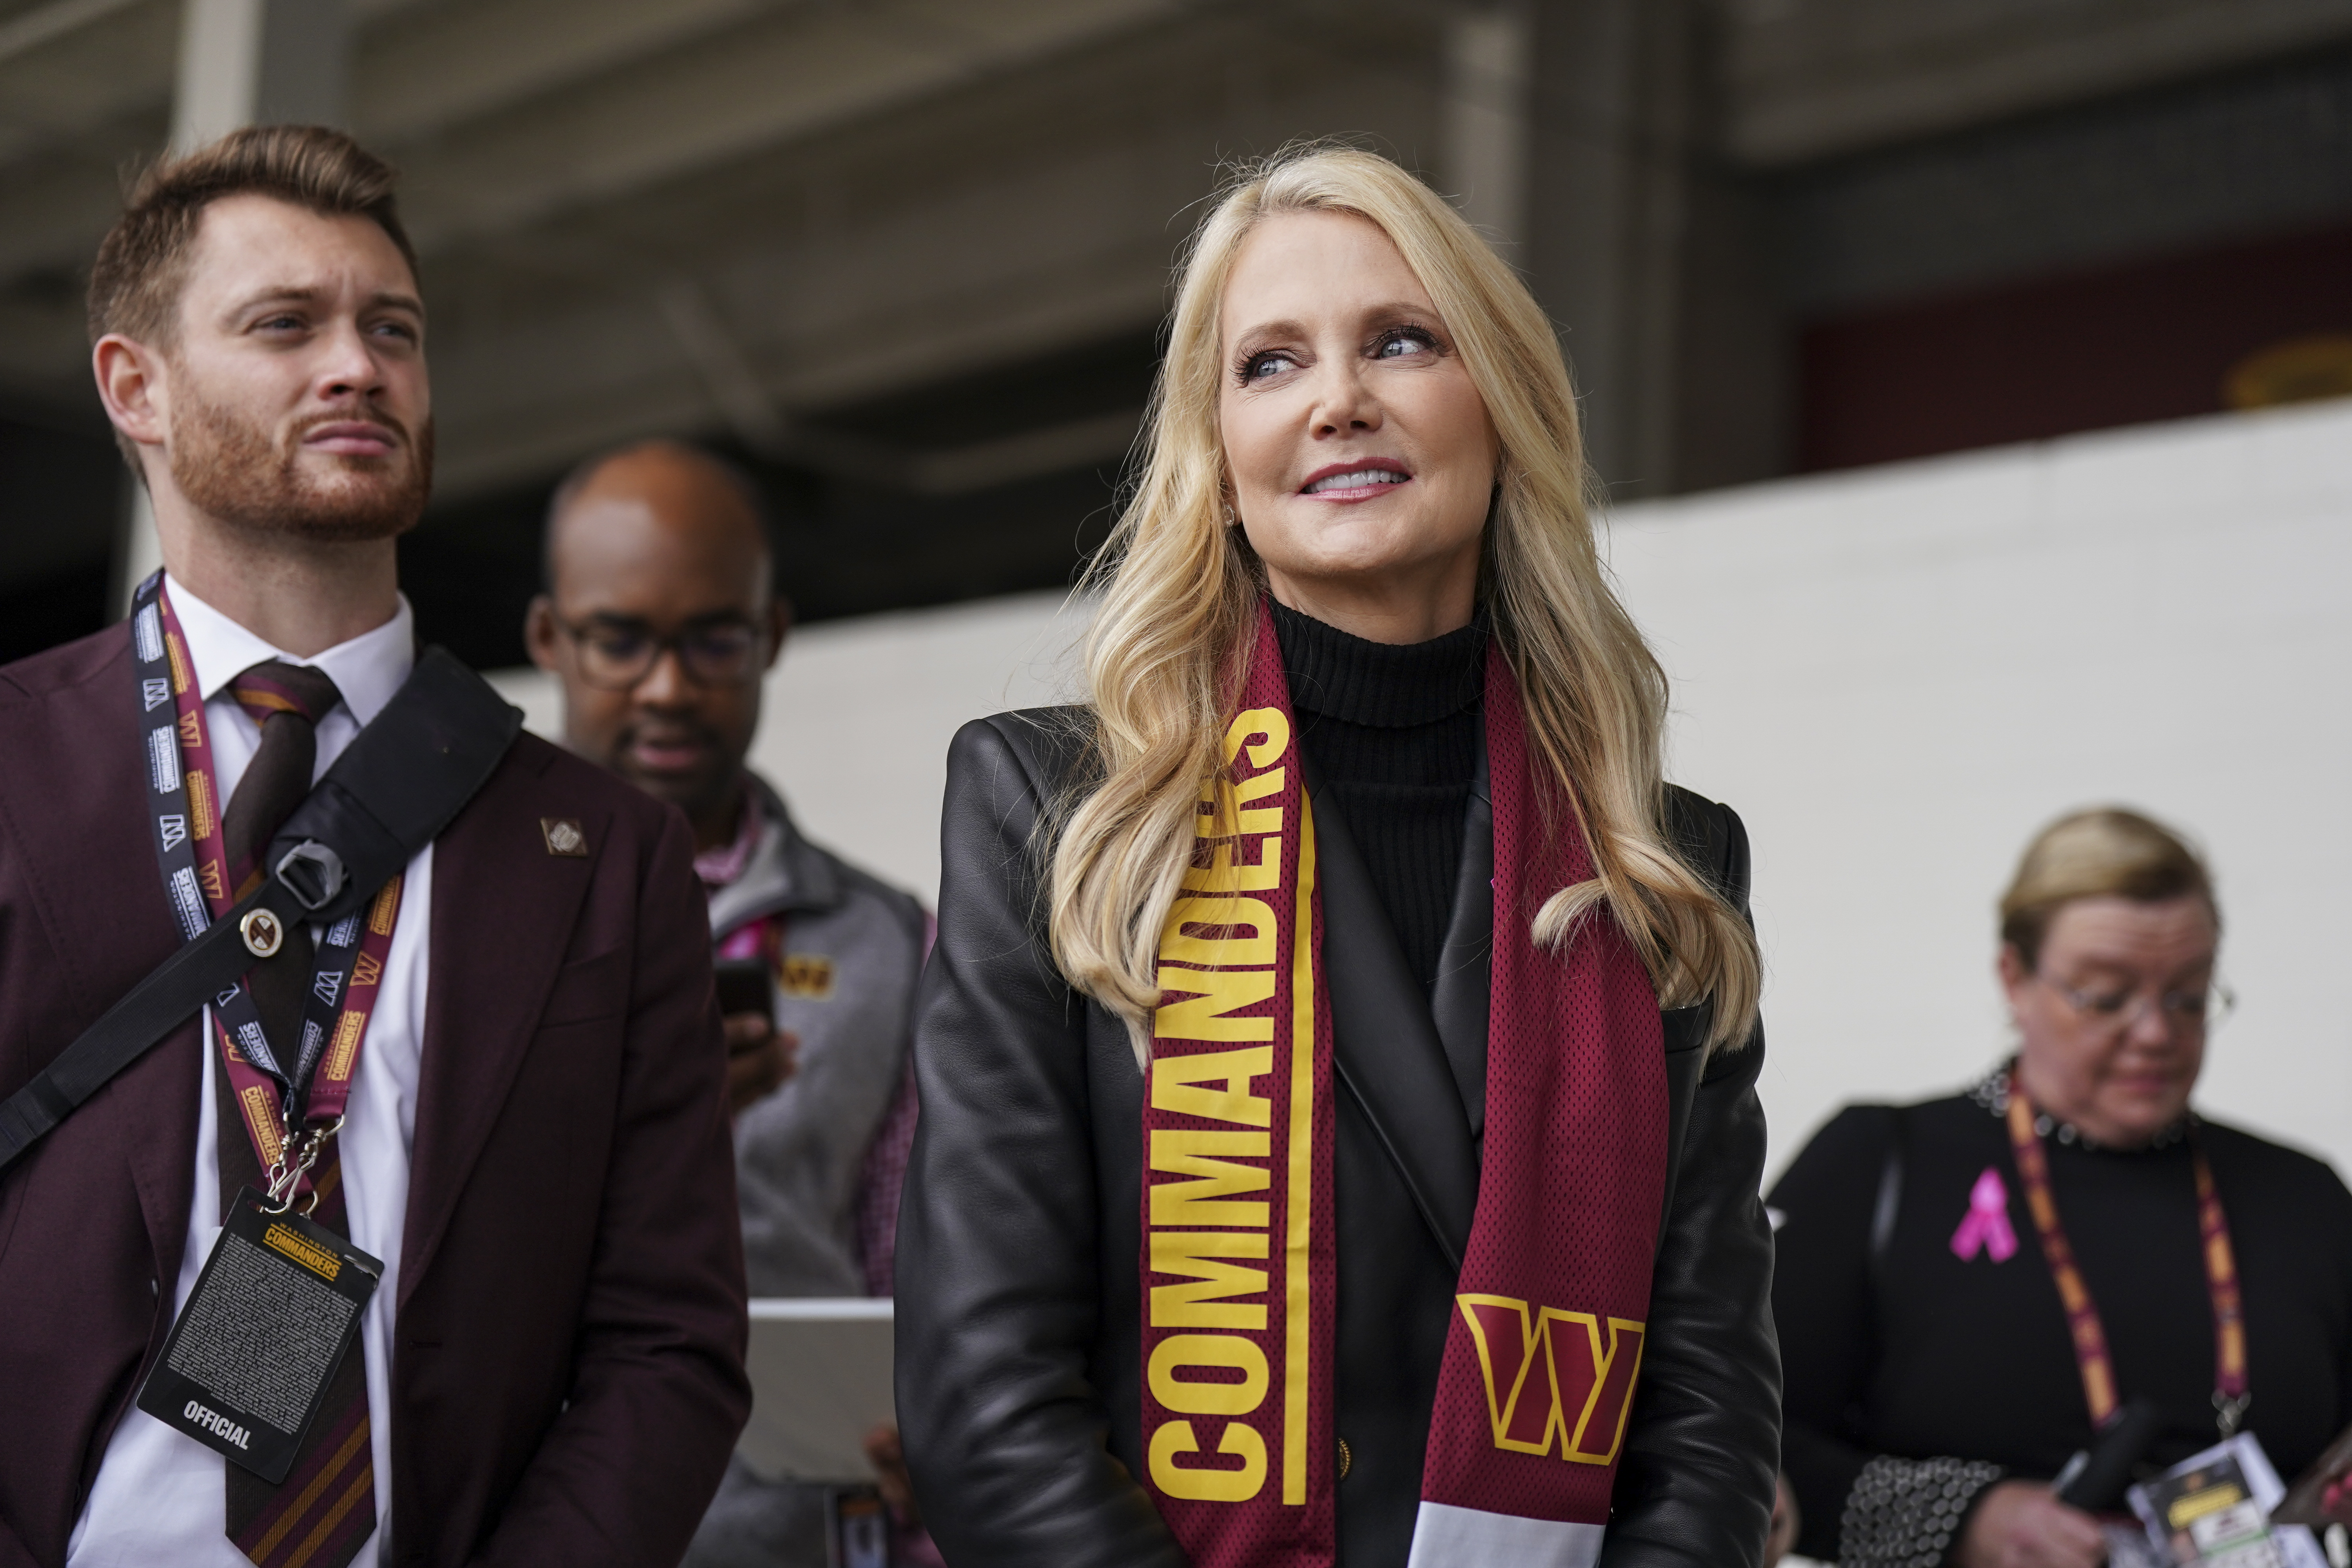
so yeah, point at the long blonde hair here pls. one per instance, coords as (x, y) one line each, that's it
(1179, 590)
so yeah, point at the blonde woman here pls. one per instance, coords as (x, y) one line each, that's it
(1339, 1139)
(1973, 1287)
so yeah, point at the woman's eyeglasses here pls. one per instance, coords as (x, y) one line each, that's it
(2109, 1008)
(615, 654)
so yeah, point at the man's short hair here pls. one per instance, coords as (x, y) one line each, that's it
(729, 472)
(134, 288)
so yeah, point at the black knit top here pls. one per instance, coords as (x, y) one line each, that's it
(1393, 731)
(1918, 1378)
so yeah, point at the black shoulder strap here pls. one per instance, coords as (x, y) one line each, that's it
(393, 789)
(1888, 1203)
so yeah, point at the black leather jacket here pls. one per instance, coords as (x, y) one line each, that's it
(1018, 1285)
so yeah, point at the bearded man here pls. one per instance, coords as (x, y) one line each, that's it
(528, 1150)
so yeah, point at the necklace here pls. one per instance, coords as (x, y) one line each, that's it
(1992, 1092)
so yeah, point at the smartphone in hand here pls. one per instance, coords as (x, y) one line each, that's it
(745, 985)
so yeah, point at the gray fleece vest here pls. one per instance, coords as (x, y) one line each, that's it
(853, 949)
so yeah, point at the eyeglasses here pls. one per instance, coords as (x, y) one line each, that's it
(2115, 1011)
(616, 654)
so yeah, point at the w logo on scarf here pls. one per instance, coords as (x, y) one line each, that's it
(1555, 1378)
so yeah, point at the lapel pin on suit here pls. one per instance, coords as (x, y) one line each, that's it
(263, 934)
(565, 836)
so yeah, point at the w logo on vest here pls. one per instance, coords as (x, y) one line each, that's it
(1555, 1379)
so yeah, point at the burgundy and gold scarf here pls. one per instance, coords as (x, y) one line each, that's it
(1240, 1269)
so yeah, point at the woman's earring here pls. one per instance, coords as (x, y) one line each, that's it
(1231, 520)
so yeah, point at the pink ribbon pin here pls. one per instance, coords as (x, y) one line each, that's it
(1986, 1225)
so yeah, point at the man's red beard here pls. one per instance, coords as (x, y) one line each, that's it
(231, 469)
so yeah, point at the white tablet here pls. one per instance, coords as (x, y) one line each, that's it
(820, 1371)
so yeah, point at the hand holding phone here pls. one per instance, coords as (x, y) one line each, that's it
(761, 1057)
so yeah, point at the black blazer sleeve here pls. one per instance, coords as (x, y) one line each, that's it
(997, 1268)
(1695, 1482)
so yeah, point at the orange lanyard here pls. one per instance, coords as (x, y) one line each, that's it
(2229, 1391)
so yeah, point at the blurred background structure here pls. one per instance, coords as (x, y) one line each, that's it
(907, 258)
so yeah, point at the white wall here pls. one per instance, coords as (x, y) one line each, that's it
(1895, 675)
(857, 716)
(1898, 675)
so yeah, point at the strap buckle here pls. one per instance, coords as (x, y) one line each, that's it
(300, 1153)
(313, 873)
(2229, 1411)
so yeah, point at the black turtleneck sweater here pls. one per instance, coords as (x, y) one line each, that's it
(1393, 731)
(1911, 1352)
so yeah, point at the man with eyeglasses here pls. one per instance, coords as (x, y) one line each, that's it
(660, 617)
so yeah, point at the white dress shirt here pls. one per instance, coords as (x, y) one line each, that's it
(161, 1497)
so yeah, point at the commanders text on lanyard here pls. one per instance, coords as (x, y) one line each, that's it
(290, 1103)
(2231, 1395)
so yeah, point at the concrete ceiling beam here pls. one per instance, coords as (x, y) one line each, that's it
(1813, 79)
(504, 113)
(992, 226)
(782, 76)
(520, 402)
(434, 71)
(73, 66)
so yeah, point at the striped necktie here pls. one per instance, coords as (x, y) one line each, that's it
(325, 1507)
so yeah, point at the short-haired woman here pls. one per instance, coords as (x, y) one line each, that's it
(1339, 1141)
(1937, 1378)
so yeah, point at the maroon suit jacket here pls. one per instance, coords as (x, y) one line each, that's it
(567, 1378)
